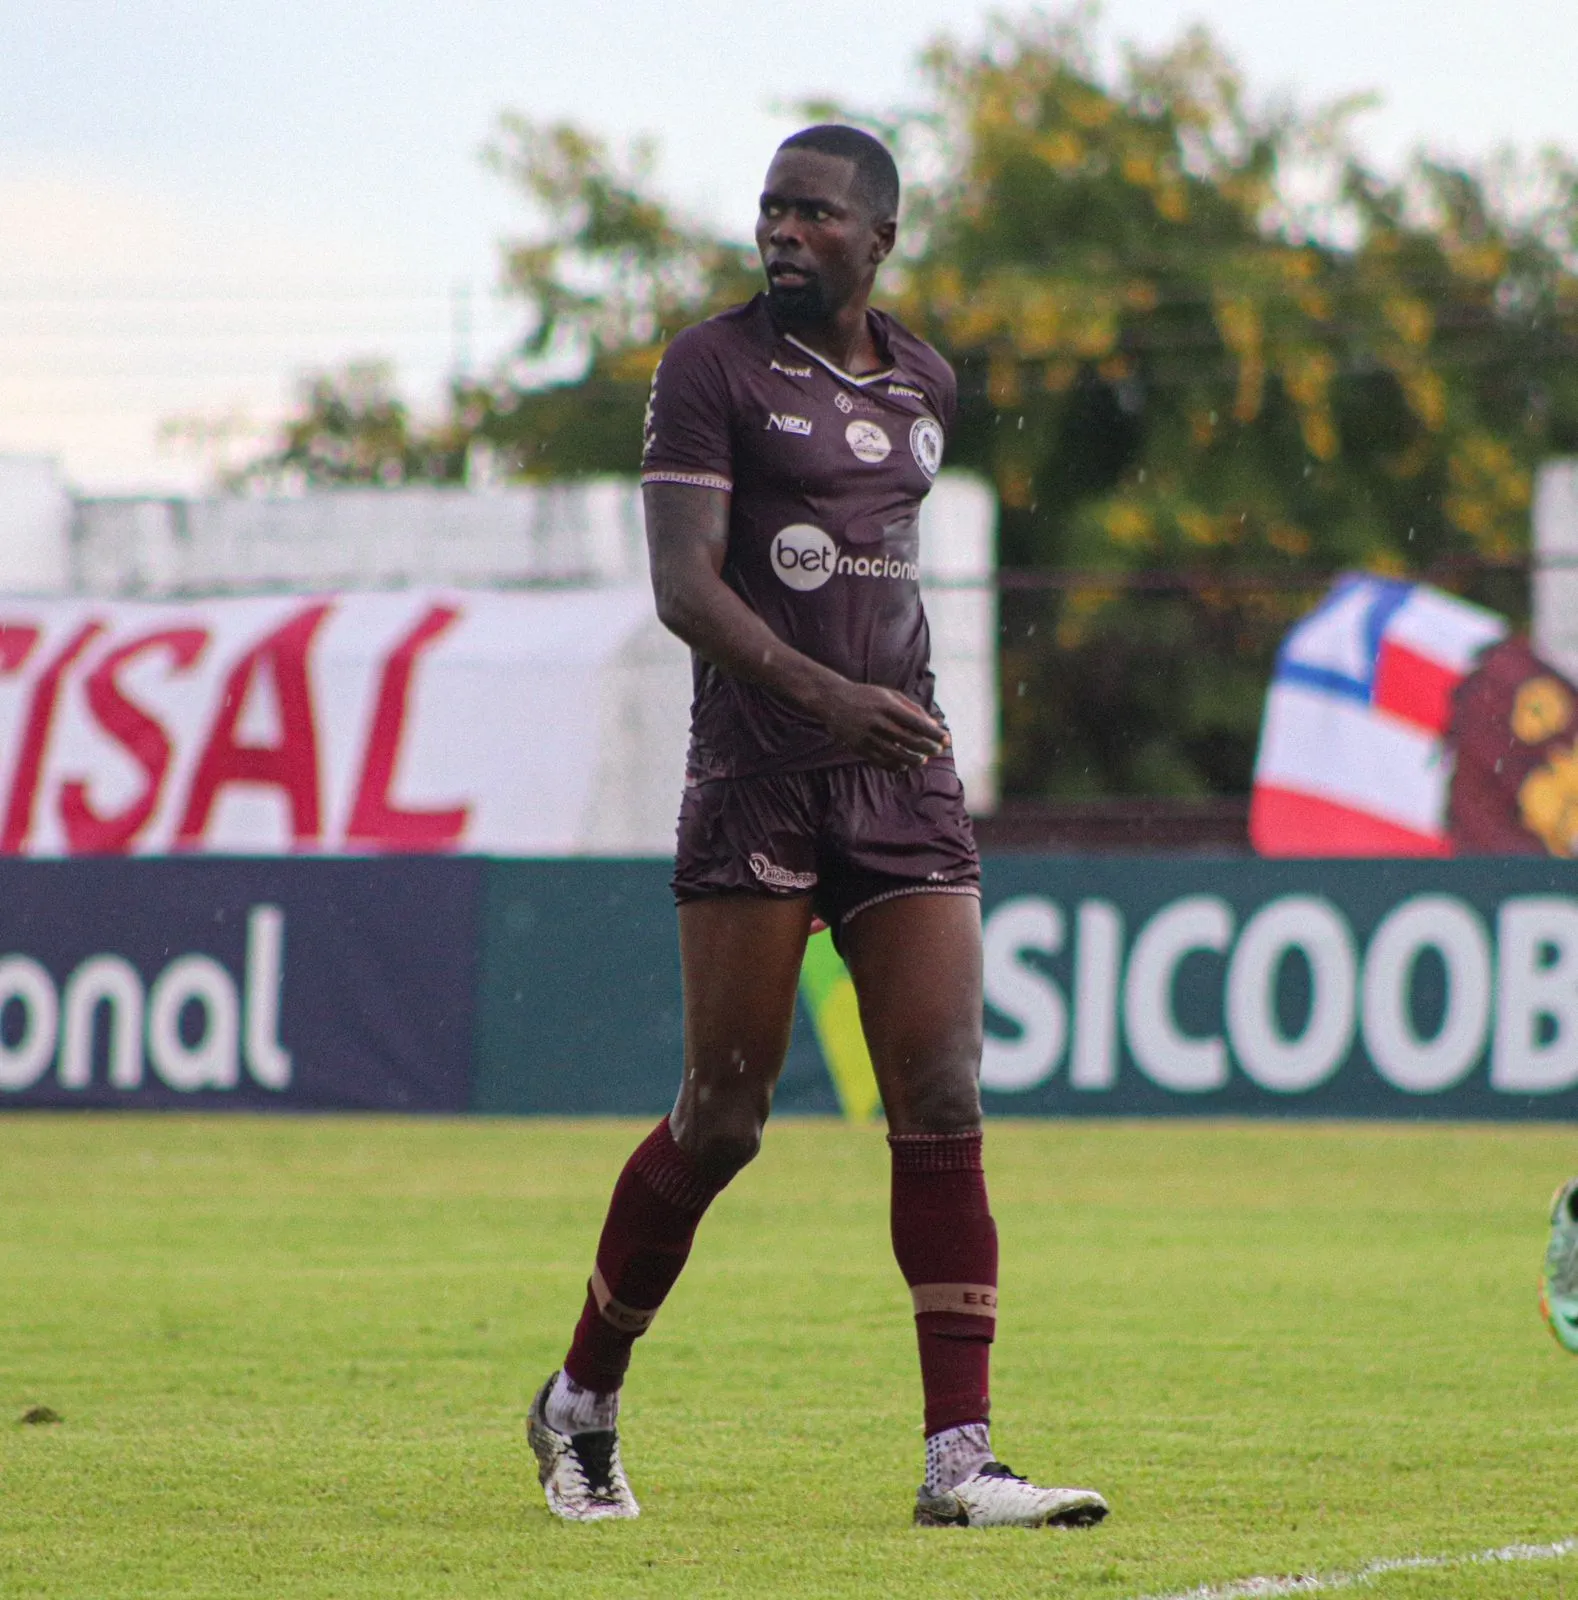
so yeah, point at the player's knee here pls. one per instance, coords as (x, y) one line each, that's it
(947, 1100)
(723, 1149)
(721, 1134)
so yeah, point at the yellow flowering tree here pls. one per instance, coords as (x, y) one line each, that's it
(1196, 335)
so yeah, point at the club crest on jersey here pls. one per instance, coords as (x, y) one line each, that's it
(870, 442)
(843, 402)
(789, 372)
(926, 445)
(783, 422)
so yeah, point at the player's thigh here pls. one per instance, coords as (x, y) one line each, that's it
(916, 962)
(740, 958)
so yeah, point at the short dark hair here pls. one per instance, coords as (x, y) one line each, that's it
(876, 174)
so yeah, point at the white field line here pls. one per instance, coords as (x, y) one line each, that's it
(1320, 1583)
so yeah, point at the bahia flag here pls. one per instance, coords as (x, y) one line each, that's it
(1354, 758)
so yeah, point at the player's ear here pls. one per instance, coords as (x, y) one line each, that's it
(886, 235)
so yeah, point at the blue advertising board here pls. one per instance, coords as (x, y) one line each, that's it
(213, 983)
(1399, 989)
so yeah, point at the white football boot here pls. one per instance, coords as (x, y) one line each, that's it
(580, 1473)
(995, 1497)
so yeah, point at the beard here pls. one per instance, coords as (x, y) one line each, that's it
(801, 305)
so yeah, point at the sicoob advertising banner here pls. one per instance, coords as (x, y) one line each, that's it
(1400, 989)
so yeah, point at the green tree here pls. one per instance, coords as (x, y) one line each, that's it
(351, 428)
(609, 277)
(1166, 364)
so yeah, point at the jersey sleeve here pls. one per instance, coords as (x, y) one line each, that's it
(688, 438)
(947, 400)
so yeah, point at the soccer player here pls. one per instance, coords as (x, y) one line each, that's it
(1559, 1281)
(789, 444)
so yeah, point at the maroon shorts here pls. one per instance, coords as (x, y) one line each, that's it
(848, 836)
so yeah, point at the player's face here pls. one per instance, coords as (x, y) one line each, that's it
(816, 236)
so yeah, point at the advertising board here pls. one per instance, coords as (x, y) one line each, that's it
(412, 722)
(1399, 989)
(212, 984)
(1339, 988)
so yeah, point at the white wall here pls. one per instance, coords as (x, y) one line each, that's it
(35, 522)
(583, 532)
(1556, 565)
(958, 563)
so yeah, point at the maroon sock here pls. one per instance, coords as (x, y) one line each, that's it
(946, 1244)
(657, 1202)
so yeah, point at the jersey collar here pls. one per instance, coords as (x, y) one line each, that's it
(858, 382)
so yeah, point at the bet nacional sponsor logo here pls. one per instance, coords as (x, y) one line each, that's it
(805, 558)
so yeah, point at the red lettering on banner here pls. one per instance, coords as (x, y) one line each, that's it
(375, 819)
(290, 766)
(35, 737)
(140, 735)
(16, 644)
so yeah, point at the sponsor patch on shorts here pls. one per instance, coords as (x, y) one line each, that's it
(776, 877)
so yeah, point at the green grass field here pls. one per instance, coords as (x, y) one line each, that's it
(293, 1357)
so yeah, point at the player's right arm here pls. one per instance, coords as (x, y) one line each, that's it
(687, 538)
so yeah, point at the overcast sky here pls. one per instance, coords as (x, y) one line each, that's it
(197, 201)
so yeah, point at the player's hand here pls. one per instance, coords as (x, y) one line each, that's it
(883, 727)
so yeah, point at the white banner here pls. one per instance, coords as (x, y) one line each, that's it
(419, 721)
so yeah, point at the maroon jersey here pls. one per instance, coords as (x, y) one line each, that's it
(827, 472)
(1515, 784)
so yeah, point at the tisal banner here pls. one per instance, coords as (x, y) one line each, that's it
(211, 984)
(1331, 988)
(421, 721)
